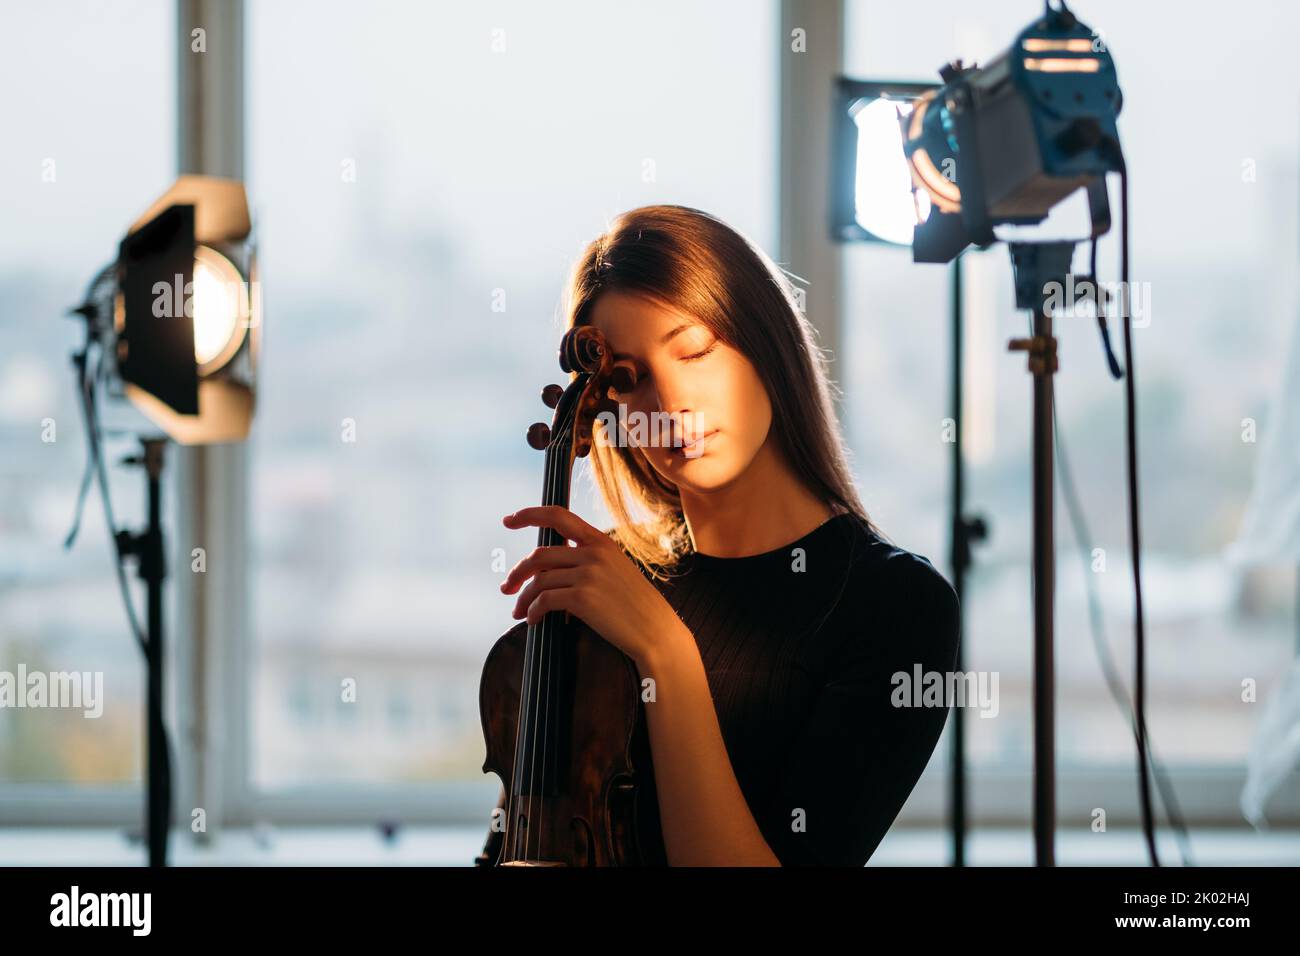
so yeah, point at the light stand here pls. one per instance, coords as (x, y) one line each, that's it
(965, 531)
(959, 561)
(1036, 265)
(149, 551)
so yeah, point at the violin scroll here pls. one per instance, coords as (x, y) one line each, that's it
(584, 354)
(582, 349)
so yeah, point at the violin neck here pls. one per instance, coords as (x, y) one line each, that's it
(539, 754)
(555, 489)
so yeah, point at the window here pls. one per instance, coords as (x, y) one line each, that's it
(423, 177)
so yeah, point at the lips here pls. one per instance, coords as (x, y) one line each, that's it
(695, 444)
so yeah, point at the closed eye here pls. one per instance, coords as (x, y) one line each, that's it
(699, 355)
(638, 379)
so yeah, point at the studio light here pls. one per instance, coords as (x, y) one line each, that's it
(1005, 143)
(178, 313)
(172, 325)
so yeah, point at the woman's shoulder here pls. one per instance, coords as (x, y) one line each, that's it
(890, 570)
(898, 589)
(886, 569)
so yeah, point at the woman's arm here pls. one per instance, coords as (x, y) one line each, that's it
(704, 816)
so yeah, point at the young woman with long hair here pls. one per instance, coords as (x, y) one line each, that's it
(783, 633)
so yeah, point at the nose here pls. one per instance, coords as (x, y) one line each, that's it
(683, 421)
(664, 397)
(679, 414)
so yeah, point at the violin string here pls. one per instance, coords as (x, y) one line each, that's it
(525, 693)
(547, 657)
(539, 647)
(528, 693)
(549, 647)
(512, 831)
(522, 735)
(538, 633)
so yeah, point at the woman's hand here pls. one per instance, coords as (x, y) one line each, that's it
(594, 581)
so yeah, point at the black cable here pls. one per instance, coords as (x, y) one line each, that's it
(1083, 538)
(89, 311)
(1099, 303)
(1135, 537)
(101, 471)
(88, 473)
(87, 385)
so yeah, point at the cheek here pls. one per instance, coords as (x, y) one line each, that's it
(747, 409)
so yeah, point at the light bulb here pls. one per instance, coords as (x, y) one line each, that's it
(885, 207)
(220, 310)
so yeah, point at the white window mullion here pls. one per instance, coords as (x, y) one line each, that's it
(211, 621)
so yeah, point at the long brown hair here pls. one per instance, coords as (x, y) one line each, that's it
(699, 266)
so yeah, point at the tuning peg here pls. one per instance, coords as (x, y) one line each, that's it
(551, 395)
(539, 435)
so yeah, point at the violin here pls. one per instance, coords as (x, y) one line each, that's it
(564, 724)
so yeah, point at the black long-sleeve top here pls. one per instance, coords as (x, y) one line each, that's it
(826, 659)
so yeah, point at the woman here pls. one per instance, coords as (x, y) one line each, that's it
(781, 631)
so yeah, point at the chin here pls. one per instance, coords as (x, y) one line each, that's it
(702, 475)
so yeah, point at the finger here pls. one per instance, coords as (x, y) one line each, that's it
(564, 521)
(542, 582)
(549, 556)
(553, 599)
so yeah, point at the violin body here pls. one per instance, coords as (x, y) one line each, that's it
(563, 722)
(598, 806)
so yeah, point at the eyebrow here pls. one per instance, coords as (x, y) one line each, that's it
(668, 337)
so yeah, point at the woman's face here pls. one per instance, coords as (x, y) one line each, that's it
(688, 384)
